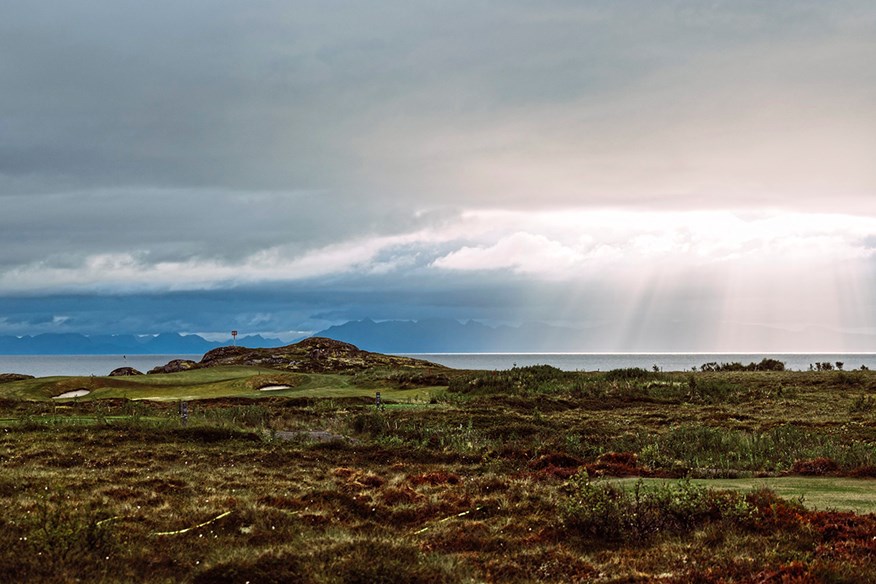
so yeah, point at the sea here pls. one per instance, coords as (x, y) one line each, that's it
(662, 361)
(51, 365)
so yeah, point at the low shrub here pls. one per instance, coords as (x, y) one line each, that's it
(608, 512)
(210, 434)
(765, 364)
(630, 373)
(270, 568)
(862, 403)
(435, 478)
(768, 512)
(710, 391)
(519, 380)
(378, 562)
(616, 464)
(59, 541)
(392, 429)
(704, 447)
(815, 467)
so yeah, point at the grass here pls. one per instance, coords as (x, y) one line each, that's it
(822, 493)
(498, 477)
(216, 382)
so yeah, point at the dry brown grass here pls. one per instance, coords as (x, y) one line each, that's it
(473, 489)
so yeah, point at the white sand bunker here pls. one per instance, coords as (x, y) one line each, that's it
(274, 387)
(74, 393)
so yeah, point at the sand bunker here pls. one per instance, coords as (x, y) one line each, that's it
(274, 387)
(74, 393)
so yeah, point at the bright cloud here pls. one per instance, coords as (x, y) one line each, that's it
(574, 243)
(570, 245)
(521, 252)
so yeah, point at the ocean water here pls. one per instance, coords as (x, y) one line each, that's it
(47, 365)
(664, 361)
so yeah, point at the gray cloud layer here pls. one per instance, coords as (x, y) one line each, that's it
(207, 133)
(427, 101)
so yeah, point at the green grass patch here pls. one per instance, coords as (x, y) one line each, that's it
(210, 383)
(821, 493)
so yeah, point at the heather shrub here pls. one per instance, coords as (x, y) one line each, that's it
(609, 512)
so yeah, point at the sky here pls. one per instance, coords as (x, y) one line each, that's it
(700, 170)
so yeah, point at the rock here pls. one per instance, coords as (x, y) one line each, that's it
(8, 377)
(122, 371)
(313, 355)
(175, 366)
(316, 354)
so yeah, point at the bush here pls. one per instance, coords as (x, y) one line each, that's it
(520, 380)
(629, 373)
(608, 512)
(391, 429)
(764, 365)
(815, 467)
(862, 403)
(58, 541)
(210, 434)
(376, 562)
(268, 569)
(710, 391)
(705, 447)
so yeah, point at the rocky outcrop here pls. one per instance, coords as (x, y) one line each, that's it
(175, 366)
(8, 377)
(123, 371)
(313, 355)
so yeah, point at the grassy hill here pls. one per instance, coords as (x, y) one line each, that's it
(216, 382)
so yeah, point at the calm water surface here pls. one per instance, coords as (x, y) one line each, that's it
(47, 365)
(665, 361)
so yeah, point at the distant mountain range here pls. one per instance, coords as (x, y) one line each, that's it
(424, 336)
(451, 336)
(163, 344)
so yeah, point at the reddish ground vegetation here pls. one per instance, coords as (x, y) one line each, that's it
(403, 495)
(815, 467)
(616, 464)
(555, 465)
(435, 478)
(774, 513)
(358, 479)
(791, 573)
(861, 472)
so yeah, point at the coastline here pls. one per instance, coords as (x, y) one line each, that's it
(62, 365)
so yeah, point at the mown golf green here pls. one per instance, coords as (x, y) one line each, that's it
(214, 382)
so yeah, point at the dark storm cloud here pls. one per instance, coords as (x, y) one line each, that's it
(173, 225)
(319, 95)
